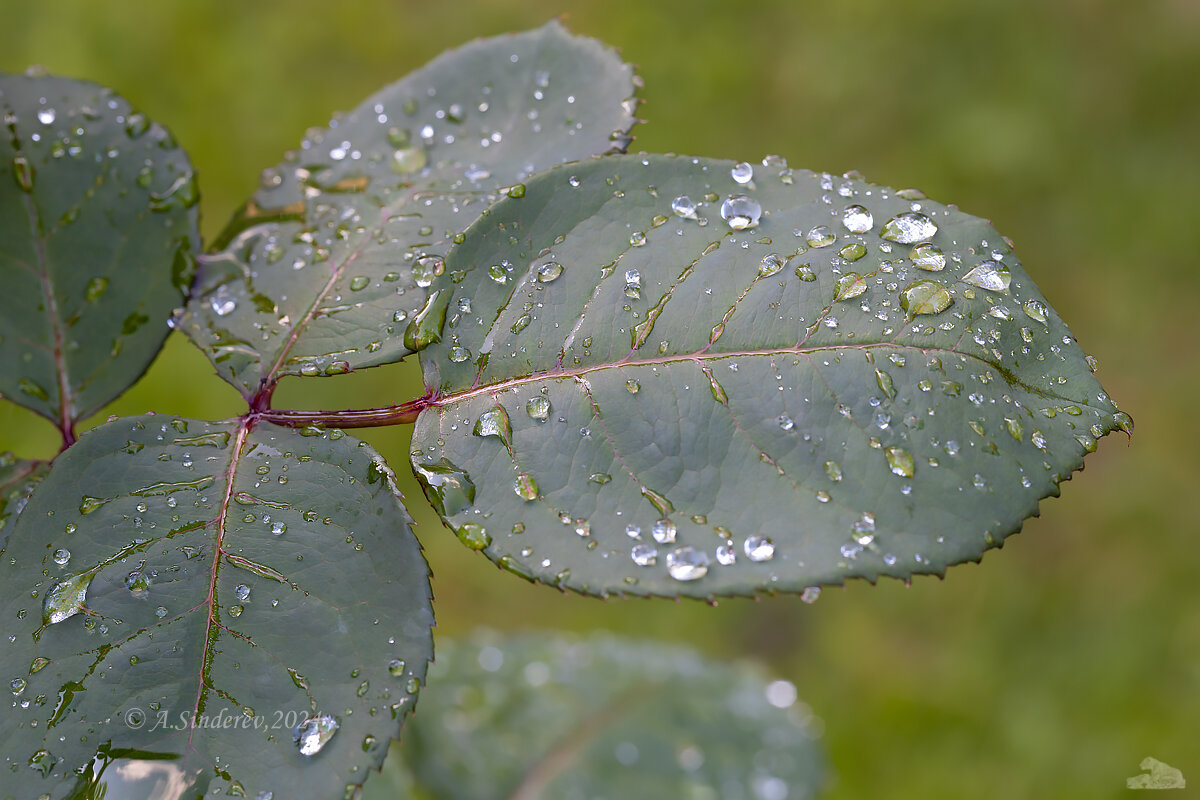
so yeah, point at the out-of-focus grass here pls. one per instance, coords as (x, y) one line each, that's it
(1051, 669)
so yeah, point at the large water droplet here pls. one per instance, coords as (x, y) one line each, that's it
(687, 564)
(644, 555)
(900, 461)
(474, 535)
(538, 408)
(494, 422)
(857, 219)
(314, 733)
(741, 212)
(759, 548)
(726, 554)
(820, 236)
(770, 264)
(222, 301)
(925, 297)
(525, 487)
(1035, 309)
(742, 172)
(425, 328)
(990, 276)
(447, 486)
(65, 599)
(850, 285)
(549, 271)
(663, 531)
(61, 556)
(927, 257)
(684, 207)
(908, 228)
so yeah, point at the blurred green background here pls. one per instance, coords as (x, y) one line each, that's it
(1049, 671)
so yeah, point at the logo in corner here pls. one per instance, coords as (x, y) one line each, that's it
(1157, 776)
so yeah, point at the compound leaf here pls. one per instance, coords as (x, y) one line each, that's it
(659, 379)
(540, 716)
(219, 606)
(325, 269)
(97, 240)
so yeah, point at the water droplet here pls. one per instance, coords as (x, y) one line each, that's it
(425, 328)
(637, 239)
(810, 594)
(632, 386)
(409, 159)
(990, 276)
(742, 172)
(886, 385)
(820, 236)
(644, 555)
(538, 408)
(235, 611)
(1123, 421)
(770, 264)
(908, 228)
(726, 554)
(517, 191)
(17, 685)
(850, 285)
(160, 612)
(853, 251)
(927, 257)
(360, 282)
(46, 116)
(314, 733)
(458, 354)
(687, 564)
(663, 531)
(857, 219)
(473, 535)
(864, 529)
(525, 487)
(61, 556)
(549, 271)
(447, 486)
(42, 762)
(759, 548)
(95, 289)
(242, 592)
(900, 461)
(684, 207)
(600, 477)
(834, 471)
(278, 528)
(785, 422)
(805, 273)
(222, 301)
(925, 297)
(396, 667)
(741, 212)
(65, 599)
(1035, 309)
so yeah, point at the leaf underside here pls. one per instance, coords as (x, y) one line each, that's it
(540, 716)
(325, 269)
(635, 399)
(170, 571)
(98, 227)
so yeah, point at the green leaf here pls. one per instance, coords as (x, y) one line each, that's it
(189, 593)
(97, 235)
(540, 716)
(709, 404)
(18, 477)
(325, 268)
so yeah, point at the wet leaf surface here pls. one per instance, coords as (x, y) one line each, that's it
(201, 605)
(539, 716)
(97, 240)
(326, 267)
(717, 387)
